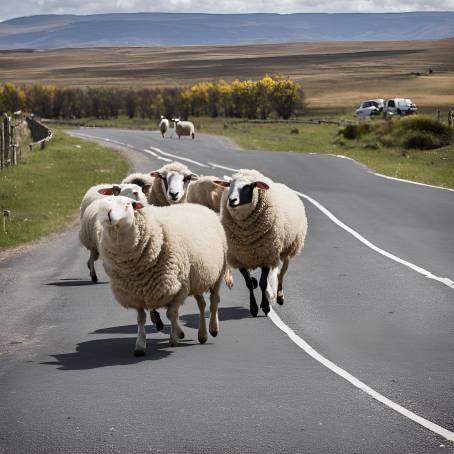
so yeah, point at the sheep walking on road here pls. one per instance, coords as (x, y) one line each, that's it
(171, 184)
(204, 192)
(164, 125)
(89, 227)
(157, 256)
(265, 223)
(184, 128)
(144, 180)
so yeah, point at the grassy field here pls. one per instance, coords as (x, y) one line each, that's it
(336, 76)
(426, 166)
(43, 193)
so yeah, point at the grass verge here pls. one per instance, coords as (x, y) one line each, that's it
(44, 191)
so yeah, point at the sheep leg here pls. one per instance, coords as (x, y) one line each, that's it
(250, 285)
(203, 336)
(141, 341)
(176, 333)
(265, 304)
(280, 289)
(214, 302)
(94, 255)
(156, 319)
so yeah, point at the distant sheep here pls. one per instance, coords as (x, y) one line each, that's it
(157, 256)
(265, 223)
(171, 184)
(163, 125)
(184, 128)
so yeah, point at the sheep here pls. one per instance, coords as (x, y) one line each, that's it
(171, 184)
(204, 192)
(144, 180)
(184, 128)
(157, 256)
(88, 233)
(265, 223)
(163, 125)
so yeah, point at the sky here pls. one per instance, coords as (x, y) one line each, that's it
(14, 8)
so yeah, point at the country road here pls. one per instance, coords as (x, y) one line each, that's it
(360, 359)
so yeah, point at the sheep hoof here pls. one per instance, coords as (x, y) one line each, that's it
(266, 309)
(94, 278)
(139, 352)
(254, 311)
(280, 300)
(181, 335)
(173, 342)
(202, 339)
(213, 332)
(255, 284)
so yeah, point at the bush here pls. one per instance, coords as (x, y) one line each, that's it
(420, 141)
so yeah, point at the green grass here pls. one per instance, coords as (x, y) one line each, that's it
(427, 166)
(387, 157)
(43, 193)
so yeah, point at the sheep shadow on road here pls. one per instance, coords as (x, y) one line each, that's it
(73, 283)
(224, 314)
(111, 352)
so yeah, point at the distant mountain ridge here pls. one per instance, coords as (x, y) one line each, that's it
(143, 29)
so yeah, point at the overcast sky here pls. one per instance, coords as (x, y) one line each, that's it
(15, 8)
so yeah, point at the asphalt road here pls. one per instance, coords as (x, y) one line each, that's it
(69, 382)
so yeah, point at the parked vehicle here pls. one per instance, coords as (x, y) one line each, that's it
(400, 106)
(370, 108)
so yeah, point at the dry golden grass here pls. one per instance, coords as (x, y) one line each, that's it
(334, 74)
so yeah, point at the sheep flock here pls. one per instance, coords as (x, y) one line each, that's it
(168, 234)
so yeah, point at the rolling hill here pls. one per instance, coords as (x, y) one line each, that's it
(144, 29)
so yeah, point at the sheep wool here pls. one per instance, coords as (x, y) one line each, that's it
(165, 252)
(203, 192)
(275, 228)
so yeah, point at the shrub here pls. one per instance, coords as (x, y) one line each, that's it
(421, 141)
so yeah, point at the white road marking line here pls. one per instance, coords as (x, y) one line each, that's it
(158, 150)
(222, 167)
(155, 155)
(409, 181)
(444, 280)
(358, 383)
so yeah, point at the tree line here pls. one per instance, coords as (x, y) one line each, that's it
(269, 97)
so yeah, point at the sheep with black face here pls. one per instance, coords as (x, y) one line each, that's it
(265, 223)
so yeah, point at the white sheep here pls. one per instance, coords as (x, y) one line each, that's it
(204, 192)
(157, 256)
(89, 229)
(144, 180)
(170, 185)
(163, 125)
(184, 128)
(265, 223)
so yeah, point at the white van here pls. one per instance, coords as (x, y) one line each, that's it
(400, 106)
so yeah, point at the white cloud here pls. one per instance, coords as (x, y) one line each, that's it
(13, 8)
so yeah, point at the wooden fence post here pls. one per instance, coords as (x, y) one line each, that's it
(438, 114)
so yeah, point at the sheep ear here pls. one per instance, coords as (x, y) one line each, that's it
(136, 205)
(192, 177)
(116, 190)
(106, 191)
(221, 184)
(155, 174)
(146, 188)
(261, 185)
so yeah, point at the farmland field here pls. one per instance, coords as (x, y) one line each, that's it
(335, 75)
